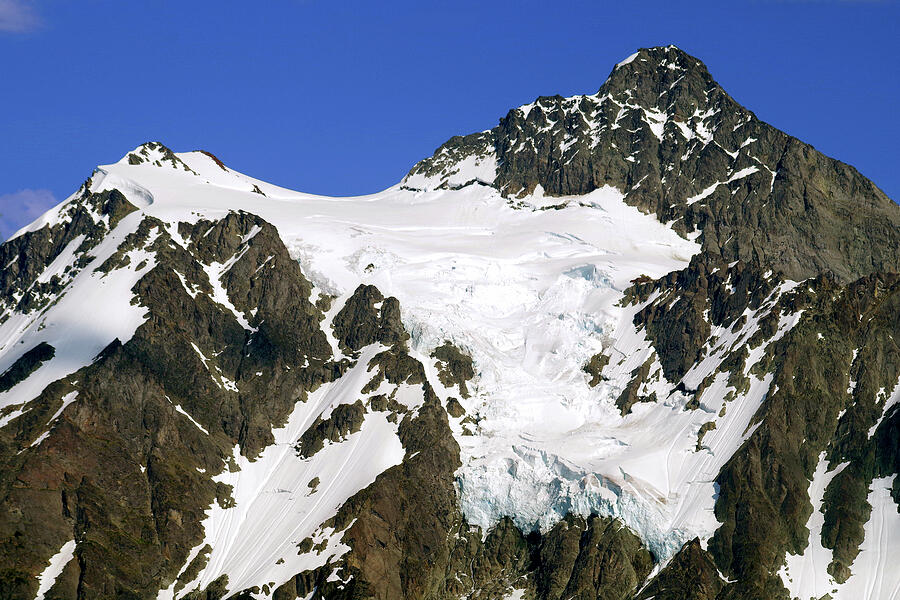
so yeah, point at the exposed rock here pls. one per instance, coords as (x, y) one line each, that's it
(344, 420)
(454, 367)
(25, 365)
(134, 540)
(632, 392)
(690, 575)
(86, 219)
(596, 558)
(454, 408)
(594, 368)
(359, 323)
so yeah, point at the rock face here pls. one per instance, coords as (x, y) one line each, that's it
(184, 413)
(824, 397)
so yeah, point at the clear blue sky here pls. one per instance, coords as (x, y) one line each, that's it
(339, 97)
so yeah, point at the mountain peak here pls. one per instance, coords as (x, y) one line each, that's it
(660, 92)
(666, 135)
(665, 78)
(155, 153)
(660, 63)
(662, 54)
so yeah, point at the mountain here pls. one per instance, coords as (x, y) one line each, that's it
(634, 344)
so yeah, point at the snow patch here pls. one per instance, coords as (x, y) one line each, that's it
(889, 403)
(709, 190)
(57, 563)
(627, 60)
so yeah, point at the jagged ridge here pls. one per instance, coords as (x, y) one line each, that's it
(662, 131)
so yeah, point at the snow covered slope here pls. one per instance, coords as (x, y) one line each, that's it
(277, 492)
(531, 294)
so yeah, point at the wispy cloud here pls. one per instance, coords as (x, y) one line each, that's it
(21, 208)
(18, 16)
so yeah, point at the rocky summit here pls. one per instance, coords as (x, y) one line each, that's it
(635, 344)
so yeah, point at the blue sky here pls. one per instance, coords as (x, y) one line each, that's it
(344, 97)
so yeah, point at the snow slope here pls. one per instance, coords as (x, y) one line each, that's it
(875, 573)
(93, 310)
(531, 294)
(274, 493)
(806, 575)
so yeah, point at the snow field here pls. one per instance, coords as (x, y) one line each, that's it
(530, 294)
(805, 575)
(874, 573)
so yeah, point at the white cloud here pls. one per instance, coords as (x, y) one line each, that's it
(18, 16)
(21, 208)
